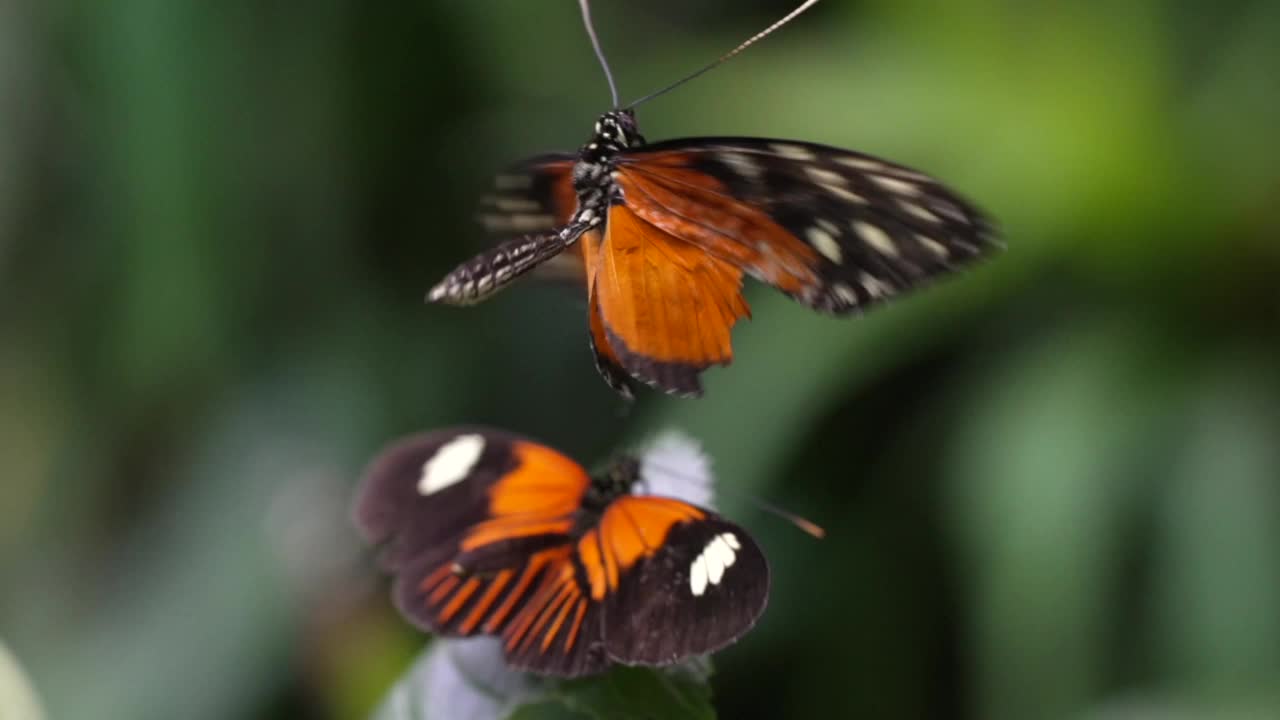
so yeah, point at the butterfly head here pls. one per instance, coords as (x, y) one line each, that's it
(615, 131)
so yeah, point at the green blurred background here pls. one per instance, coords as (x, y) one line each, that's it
(1052, 485)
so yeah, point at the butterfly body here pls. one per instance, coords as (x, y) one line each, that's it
(490, 533)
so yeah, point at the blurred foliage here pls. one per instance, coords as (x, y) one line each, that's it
(1050, 484)
(17, 699)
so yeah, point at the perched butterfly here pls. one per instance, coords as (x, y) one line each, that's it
(667, 231)
(489, 533)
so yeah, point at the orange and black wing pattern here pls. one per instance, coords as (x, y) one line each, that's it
(835, 229)
(533, 196)
(661, 308)
(675, 580)
(477, 527)
(489, 533)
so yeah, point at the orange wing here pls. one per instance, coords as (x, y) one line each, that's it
(662, 308)
(479, 530)
(633, 528)
(697, 208)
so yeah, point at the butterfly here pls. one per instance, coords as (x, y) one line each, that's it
(665, 234)
(489, 533)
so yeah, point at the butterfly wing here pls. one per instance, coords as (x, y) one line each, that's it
(835, 229)
(674, 580)
(608, 361)
(662, 309)
(533, 196)
(477, 527)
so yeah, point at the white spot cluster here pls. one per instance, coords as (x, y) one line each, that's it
(450, 464)
(708, 568)
(673, 465)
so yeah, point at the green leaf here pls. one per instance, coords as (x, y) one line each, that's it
(626, 693)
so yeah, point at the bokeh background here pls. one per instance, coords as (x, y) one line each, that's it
(1052, 485)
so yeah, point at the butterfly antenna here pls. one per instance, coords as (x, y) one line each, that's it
(746, 44)
(595, 43)
(805, 525)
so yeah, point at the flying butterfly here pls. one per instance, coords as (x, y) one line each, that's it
(666, 232)
(489, 533)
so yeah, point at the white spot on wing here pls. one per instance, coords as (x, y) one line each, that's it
(710, 565)
(863, 164)
(933, 246)
(825, 243)
(919, 212)
(793, 152)
(949, 210)
(825, 177)
(845, 193)
(698, 576)
(741, 163)
(880, 168)
(450, 464)
(874, 286)
(876, 237)
(844, 293)
(894, 185)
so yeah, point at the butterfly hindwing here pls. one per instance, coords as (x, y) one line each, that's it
(872, 228)
(534, 196)
(422, 492)
(665, 307)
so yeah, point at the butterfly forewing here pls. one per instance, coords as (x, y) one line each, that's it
(421, 494)
(677, 566)
(872, 228)
(476, 525)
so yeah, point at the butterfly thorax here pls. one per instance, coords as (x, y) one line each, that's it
(616, 481)
(615, 132)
